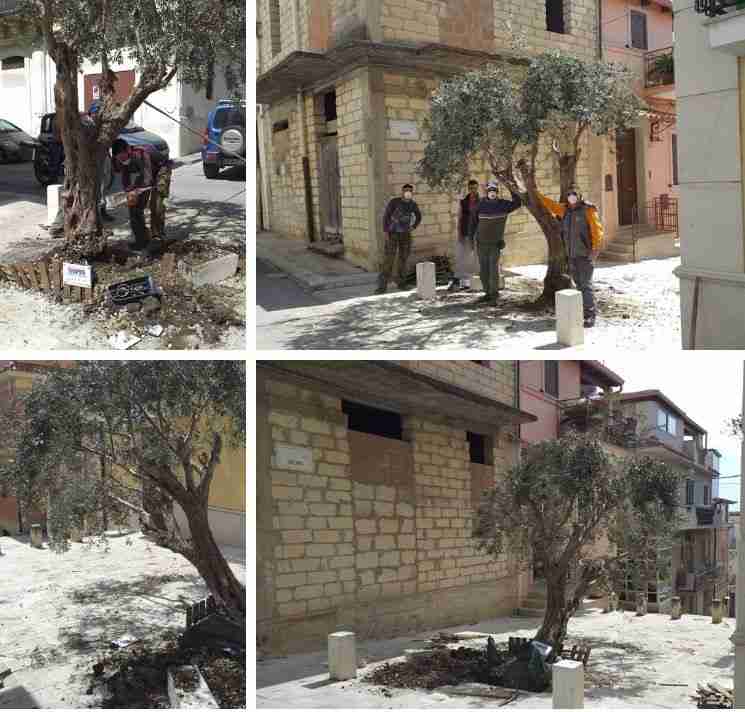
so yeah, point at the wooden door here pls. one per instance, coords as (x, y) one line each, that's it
(329, 186)
(122, 88)
(626, 176)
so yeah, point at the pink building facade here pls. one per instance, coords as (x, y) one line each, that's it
(640, 191)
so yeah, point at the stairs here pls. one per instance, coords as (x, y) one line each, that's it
(621, 248)
(534, 605)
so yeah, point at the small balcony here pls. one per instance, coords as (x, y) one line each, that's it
(702, 517)
(659, 68)
(597, 415)
(715, 8)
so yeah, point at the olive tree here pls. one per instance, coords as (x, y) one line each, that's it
(162, 40)
(158, 430)
(505, 116)
(555, 505)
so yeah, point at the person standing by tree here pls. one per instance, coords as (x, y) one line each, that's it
(490, 221)
(153, 171)
(402, 217)
(104, 176)
(582, 236)
(465, 247)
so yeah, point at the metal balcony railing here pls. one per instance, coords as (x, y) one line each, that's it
(659, 68)
(705, 516)
(714, 8)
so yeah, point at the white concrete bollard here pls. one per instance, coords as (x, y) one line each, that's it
(716, 610)
(425, 280)
(568, 684)
(476, 285)
(54, 197)
(342, 656)
(613, 602)
(75, 535)
(676, 609)
(641, 604)
(36, 538)
(569, 318)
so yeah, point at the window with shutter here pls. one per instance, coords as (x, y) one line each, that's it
(638, 30)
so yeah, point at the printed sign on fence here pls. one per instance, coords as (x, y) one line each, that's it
(77, 275)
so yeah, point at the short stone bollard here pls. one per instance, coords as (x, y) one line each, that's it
(676, 610)
(425, 280)
(716, 610)
(569, 318)
(476, 285)
(342, 656)
(641, 604)
(568, 685)
(54, 199)
(75, 535)
(36, 538)
(613, 602)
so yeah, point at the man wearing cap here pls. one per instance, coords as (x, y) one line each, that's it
(402, 217)
(489, 223)
(464, 247)
(582, 236)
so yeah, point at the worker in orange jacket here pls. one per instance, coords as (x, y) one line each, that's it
(582, 236)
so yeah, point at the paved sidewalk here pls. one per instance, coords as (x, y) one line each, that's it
(636, 662)
(59, 611)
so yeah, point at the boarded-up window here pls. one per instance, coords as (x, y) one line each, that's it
(675, 159)
(555, 16)
(482, 479)
(378, 460)
(638, 30)
(275, 34)
(551, 378)
(364, 419)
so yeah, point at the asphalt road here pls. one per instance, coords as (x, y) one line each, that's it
(17, 182)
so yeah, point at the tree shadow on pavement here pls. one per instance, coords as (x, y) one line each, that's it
(140, 608)
(406, 322)
(18, 698)
(218, 221)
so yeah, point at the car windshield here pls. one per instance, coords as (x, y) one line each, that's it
(6, 126)
(230, 117)
(132, 127)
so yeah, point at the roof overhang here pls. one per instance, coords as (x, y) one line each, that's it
(302, 71)
(599, 374)
(660, 397)
(392, 386)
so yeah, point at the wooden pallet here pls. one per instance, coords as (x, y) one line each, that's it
(46, 276)
(713, 697)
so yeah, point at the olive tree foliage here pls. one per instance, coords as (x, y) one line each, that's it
(505, 115)
(557, 505)
(105, 437)
(163, 40)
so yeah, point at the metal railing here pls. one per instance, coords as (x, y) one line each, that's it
(661, 214)
(714, 8)
(659, 68)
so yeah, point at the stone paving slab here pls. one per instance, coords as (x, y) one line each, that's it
(634, 663)
(59, 611)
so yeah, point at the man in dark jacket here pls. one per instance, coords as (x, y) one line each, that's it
(465, 247)
(402, 216)
(582, 236)
(491, 219)
(152, 183)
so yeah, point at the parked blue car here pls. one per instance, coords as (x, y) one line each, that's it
(225, 137)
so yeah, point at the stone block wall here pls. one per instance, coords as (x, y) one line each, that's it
(343, 546)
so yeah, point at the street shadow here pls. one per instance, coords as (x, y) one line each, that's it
(407, 322)
(275, 289)
(235, 174)
(18, 698)
(218, 221)
(139, 608)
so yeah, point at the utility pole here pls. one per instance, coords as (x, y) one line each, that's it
(738, 637)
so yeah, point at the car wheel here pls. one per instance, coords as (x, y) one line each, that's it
(211, 170)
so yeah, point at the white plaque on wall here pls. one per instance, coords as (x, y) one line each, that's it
(289, 457)
(405, 129)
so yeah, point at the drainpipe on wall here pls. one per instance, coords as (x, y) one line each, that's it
(306, 167)
(738, 638)
(600, 29)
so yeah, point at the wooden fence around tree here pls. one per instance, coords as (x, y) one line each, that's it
(46, 276)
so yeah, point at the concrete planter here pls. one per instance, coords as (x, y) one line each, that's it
(188, 690)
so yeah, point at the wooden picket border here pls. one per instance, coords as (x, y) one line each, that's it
(46, 276)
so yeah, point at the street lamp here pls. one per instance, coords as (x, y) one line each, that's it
(738, 637)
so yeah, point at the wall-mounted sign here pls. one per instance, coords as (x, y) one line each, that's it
(77, 275)
(404, 129)
(289, 457)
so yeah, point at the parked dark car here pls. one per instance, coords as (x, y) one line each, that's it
(48, 164)
(225, 137)
(15, 143)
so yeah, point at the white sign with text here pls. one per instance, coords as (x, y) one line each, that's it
(288, 457)
(77, 275)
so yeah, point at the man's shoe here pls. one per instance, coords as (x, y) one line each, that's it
(455, 286)
(589, 322)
